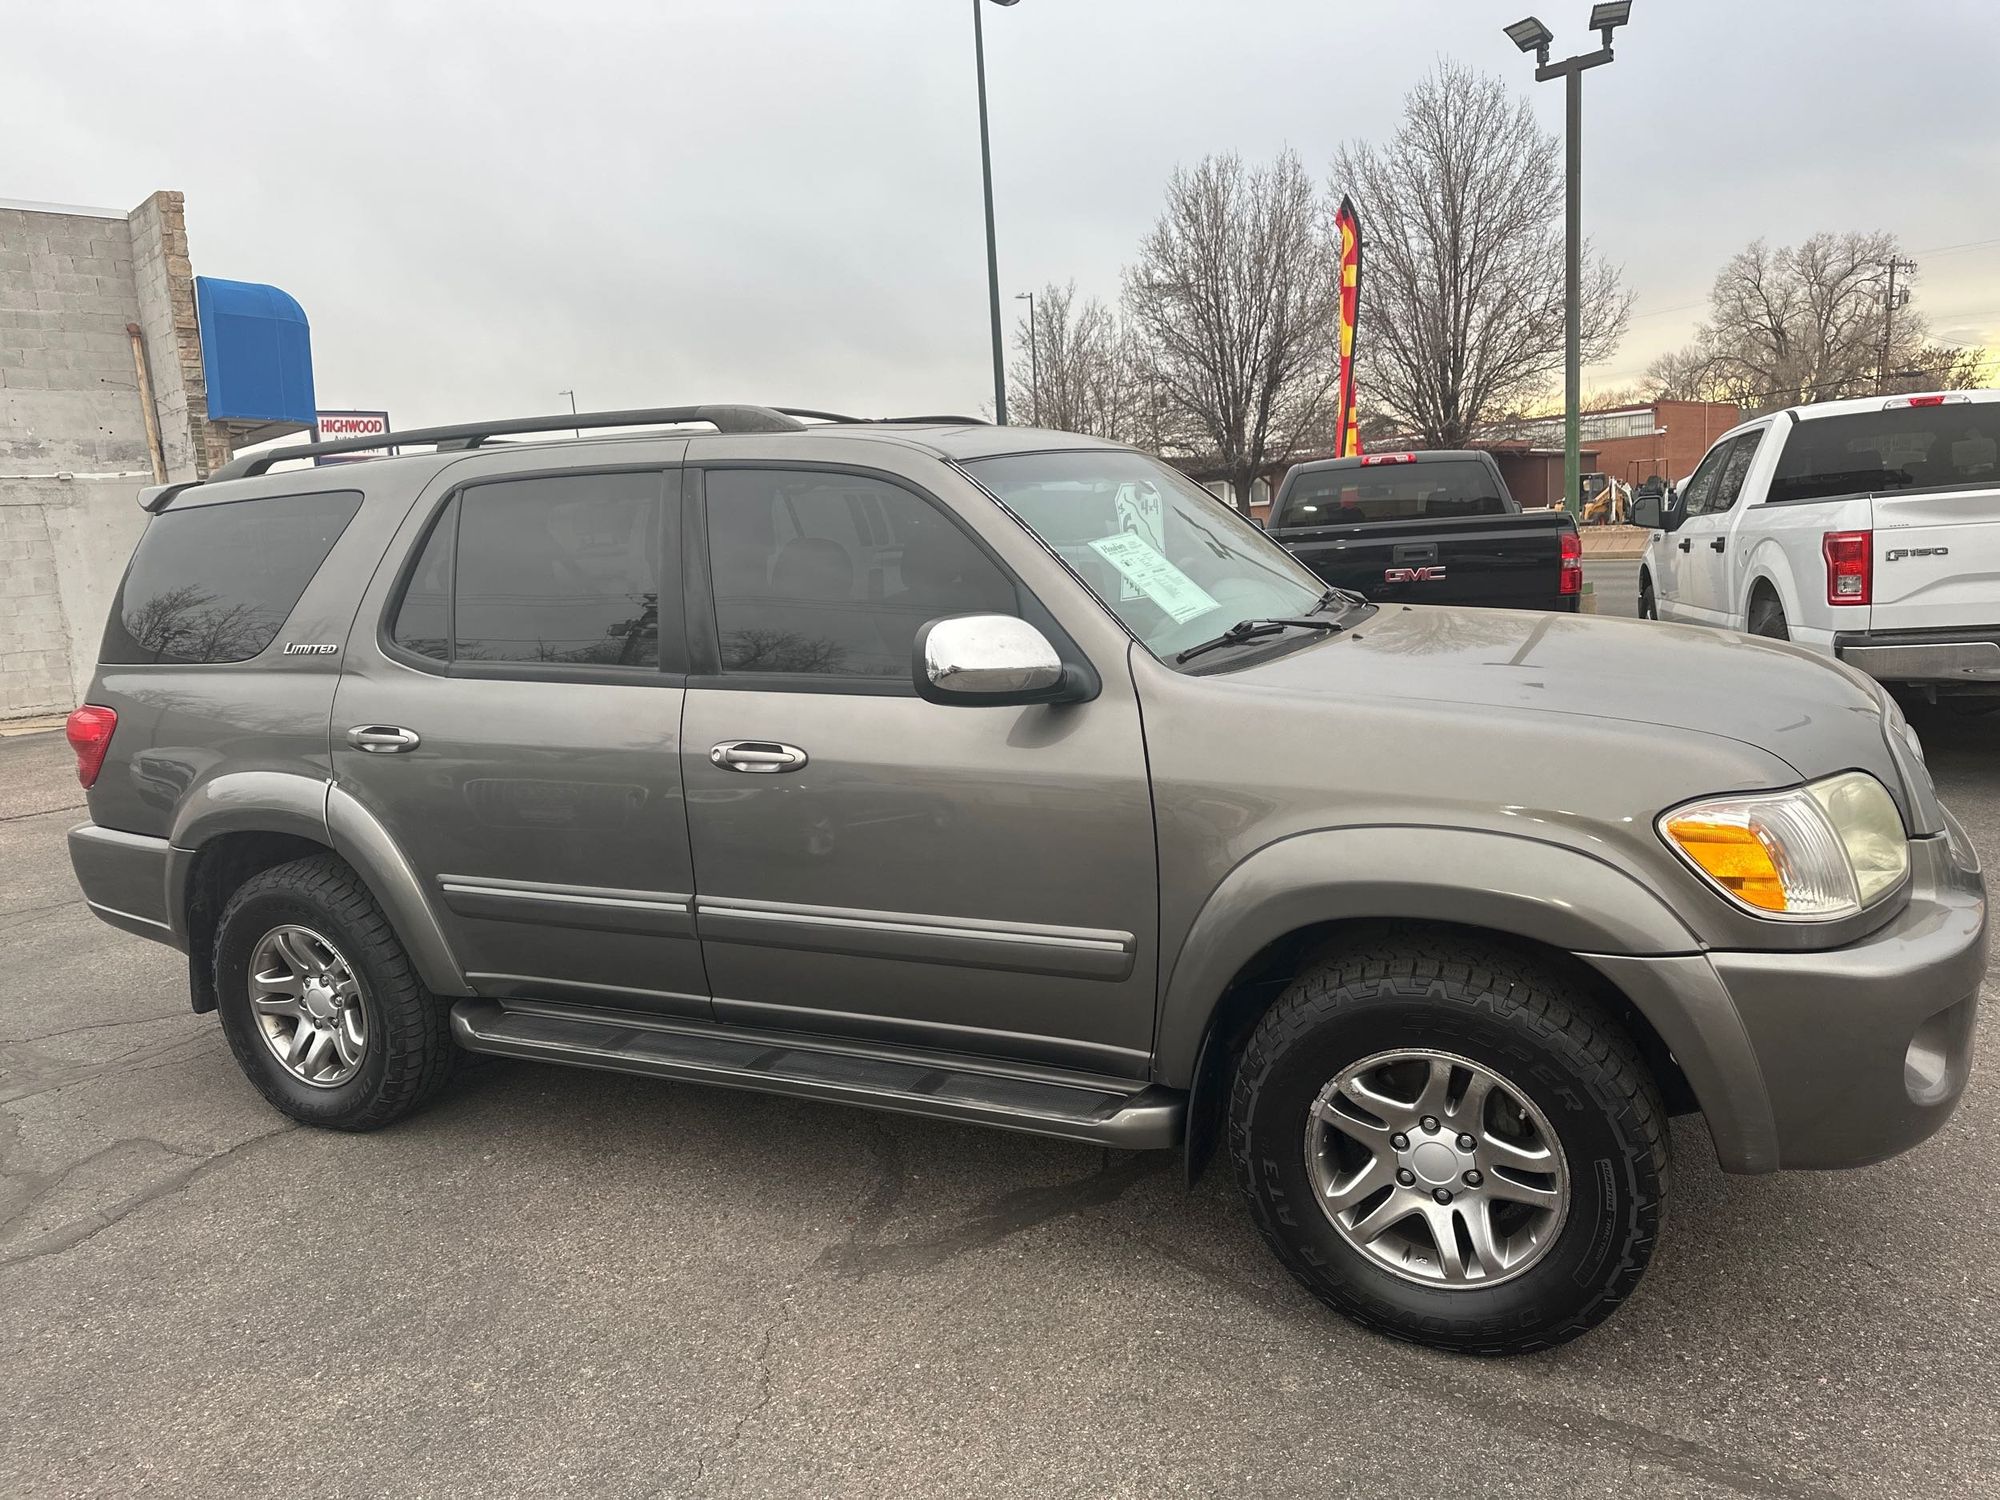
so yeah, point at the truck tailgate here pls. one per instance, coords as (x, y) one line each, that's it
(1506, 561)
(1936, 560)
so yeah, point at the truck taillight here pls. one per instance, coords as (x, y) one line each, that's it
(89, 732)
(1572, 563)
(1849, 568)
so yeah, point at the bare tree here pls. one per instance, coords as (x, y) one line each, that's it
(1462, 288)
(1807, 322)
(1235, 294)
(1069, 376)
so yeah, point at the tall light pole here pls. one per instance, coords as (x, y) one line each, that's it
(1532, 36)
(992, 243)
(1034, 356)
(572, 407)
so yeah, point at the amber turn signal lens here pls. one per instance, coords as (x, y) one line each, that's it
(1734, 857)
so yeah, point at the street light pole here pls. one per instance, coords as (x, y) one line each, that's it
(1034, 359)
(572, 407)
(1531, 35)
(992, 242)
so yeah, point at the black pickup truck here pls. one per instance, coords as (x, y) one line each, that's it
(1427, 528)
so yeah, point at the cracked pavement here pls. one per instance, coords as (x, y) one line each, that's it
(559, 1283)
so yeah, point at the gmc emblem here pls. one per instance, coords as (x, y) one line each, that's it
(1433, 574)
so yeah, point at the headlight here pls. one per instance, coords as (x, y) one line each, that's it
(1817, 852)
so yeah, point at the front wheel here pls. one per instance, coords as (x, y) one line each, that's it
(1649, 607)
(1449, 1145)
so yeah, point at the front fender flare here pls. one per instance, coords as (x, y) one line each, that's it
(1503, 882)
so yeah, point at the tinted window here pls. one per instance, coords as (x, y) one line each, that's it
(214, 583)
(1905, 447)
(832, 574)
(423, 619)
(1694, 498)
(1391, 492)
(559, 569)
(1729, 478)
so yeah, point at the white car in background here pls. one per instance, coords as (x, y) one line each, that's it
(1868, 530)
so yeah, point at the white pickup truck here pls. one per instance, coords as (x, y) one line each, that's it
(1868, 530)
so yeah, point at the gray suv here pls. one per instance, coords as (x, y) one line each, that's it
(1006, 776)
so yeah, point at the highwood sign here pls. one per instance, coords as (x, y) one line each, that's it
(331, 425)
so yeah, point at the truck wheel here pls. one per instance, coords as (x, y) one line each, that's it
(1649, 607)
(1450, 1146)
(1767, 618)
(320, 1003)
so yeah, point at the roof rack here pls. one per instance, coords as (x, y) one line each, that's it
(732, 419)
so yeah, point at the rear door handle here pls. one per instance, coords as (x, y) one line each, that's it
(1717, 544)
(757, 757)
(1686, 544)
(383, 739)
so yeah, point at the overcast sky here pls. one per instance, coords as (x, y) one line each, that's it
(778, 200)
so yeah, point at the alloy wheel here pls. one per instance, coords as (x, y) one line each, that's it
(1437, 1168)
(307, 1004)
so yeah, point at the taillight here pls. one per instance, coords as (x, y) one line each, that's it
(1572, 563)
(89, 731)
(1849, 566)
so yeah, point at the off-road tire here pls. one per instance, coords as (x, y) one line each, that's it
(1649, 605)
(410, 1053)
(1409, 989)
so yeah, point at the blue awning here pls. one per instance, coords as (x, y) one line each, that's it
(256, 351)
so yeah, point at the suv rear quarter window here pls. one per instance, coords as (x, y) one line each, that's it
(215, 583)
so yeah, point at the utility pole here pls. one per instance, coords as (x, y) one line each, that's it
(1034, 358)
(1889, 305)
(1530, 35)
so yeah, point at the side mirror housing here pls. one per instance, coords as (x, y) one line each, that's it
(1646, 511)
(990, 661)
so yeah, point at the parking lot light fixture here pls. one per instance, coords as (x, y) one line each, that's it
(1530, 35)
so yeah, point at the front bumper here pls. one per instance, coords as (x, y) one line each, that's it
(1968, 658)
(1865, 1050)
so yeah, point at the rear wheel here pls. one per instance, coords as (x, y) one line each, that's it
(1767, 618)
(321, 1005)
(1450, 1146)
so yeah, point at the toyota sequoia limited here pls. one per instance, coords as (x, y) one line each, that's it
(1008, 777)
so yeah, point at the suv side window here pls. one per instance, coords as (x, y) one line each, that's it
(550, 570)
(214, 583)
(1695, 498)
(830, 575)
(1729, 480)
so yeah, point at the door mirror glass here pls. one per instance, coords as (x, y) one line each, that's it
(1646, 511)
(988, 659)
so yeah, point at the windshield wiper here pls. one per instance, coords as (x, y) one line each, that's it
(1338, 595)
(1250, 630)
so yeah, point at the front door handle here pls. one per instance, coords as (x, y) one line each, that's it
(1717, 544)
(382, 739)
(1686, 544)
(757, 757)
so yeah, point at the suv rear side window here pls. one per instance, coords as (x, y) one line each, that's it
(1391, 492)
(214, 583)
(554, 570)
(831, 575)
(1875, 452)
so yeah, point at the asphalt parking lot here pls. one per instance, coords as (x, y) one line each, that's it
(559, 1282)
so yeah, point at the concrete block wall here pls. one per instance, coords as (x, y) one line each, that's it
(73, 445)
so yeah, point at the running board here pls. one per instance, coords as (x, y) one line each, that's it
(1095, 1113)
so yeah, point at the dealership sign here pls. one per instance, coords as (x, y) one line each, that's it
(332, 426)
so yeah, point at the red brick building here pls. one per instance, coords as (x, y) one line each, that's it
(1631, 443)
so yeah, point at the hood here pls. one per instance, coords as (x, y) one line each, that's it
(1814, 714)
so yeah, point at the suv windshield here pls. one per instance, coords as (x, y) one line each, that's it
(1904, 447)
(1389, 492)
(1173, 562)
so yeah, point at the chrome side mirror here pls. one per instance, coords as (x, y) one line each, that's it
(988, 659)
